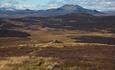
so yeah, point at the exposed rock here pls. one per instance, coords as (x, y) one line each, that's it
(53, 66)
(56, 41)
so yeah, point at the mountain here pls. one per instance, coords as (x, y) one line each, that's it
(77, 9)
(3, 10)
(66, 9)
(112, 12)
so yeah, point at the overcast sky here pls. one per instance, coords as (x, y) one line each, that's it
(47, 4)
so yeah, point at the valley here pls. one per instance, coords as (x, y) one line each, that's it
(67, 42)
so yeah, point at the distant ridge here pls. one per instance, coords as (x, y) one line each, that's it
(66, 9)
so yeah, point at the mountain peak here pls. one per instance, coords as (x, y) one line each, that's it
(71, 7)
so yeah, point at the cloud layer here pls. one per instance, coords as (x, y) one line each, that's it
(46, 4)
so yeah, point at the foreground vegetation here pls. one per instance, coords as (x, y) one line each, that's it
(58, 52)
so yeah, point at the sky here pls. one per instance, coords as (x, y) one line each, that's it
(102, 5)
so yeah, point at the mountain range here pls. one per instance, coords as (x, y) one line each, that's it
(66, 9)
(110, 12)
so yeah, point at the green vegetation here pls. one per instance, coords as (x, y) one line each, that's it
(54, 20)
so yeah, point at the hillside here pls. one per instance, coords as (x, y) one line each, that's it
(75, 41)
(79, 21)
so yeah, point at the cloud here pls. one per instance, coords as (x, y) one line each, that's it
(51, 4)
(101, 5)
(4, 5)
(55, 4)
(25, 6)
(9, 4)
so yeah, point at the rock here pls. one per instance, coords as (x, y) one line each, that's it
(56, 41)
(53, 66)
